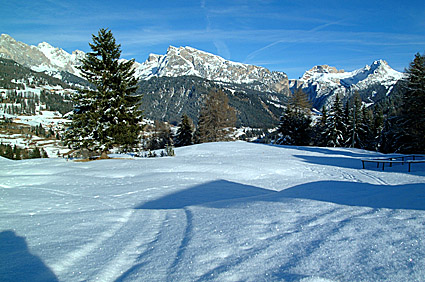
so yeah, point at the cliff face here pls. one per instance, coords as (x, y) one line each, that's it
(42, 58)
(187, 61)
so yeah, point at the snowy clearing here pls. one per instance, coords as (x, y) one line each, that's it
(219, 211)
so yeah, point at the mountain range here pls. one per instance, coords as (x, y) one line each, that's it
(176, 82)
(323, 83)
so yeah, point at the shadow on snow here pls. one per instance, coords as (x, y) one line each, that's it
(18, 264)
(222, 194)
(204, 194)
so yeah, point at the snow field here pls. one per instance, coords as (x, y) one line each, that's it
(220, 211)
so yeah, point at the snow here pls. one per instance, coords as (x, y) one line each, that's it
(378, 72)
(179, 61)
(220, 211)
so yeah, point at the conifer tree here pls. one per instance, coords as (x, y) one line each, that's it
(35, 153)
(8, 152)
(216, 118)
(370, 129)
(107, 115)
(354, 120)
(184, 135)
(335, 125)
(412, 120)
(320, 138)
(295, 123)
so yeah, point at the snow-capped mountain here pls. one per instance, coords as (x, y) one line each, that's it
(184, 61)
(41, 58)
(323, 83)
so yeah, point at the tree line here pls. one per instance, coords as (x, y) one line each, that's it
(16, 153)
(108, 116)
(395, 127)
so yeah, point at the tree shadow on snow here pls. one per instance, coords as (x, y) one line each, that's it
(344, 162)
(205, 194)
(347, 162)
(409, 196)
(222, 194)
(18, 264)
(352, 153)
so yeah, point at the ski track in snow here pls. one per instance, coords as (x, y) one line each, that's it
(146, 220)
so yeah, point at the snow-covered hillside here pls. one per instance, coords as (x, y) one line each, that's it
(219, 211)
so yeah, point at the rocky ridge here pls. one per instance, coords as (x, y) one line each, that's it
(323, 83)
(41, 58)
(187, 61)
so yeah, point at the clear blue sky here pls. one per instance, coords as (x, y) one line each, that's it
(289, 36)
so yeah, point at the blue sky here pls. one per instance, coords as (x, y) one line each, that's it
(288, 36)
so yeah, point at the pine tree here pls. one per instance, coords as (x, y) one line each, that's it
(354, 121)
(335, 127)
(295, 123)
(320, 138)
(370, 129)
(216, 119)
(107, 115)
(184, 135)
(412, 120)
(16, 153)
(8, 152)
(35, 153)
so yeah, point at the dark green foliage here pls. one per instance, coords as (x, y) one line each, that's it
(184, 135)
(10, 70)
(333, 135)
(57, 102)
(295, 124)
(7, 152)
(167, 98)
(319, 131)
(412, 118)
(35, 153)
(355, 129)
(16, 153)
(23, 103)
(107, 115)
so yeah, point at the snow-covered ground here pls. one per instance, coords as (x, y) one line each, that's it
(220, 211)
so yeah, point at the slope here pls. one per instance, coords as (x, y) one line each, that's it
(167, 98)
(217, 211)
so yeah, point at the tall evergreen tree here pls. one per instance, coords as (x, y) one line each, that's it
(184, 135)
(370, 129)
(216, 118)
(107, 115)
(354, 120)
(320, 137)
(295, 123)
(412, 120)
(335, 127)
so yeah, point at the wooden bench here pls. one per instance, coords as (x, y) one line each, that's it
(408, 159)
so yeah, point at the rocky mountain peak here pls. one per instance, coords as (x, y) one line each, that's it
(322, 83)
(184, 61)
(43, 57)
(321, 69)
